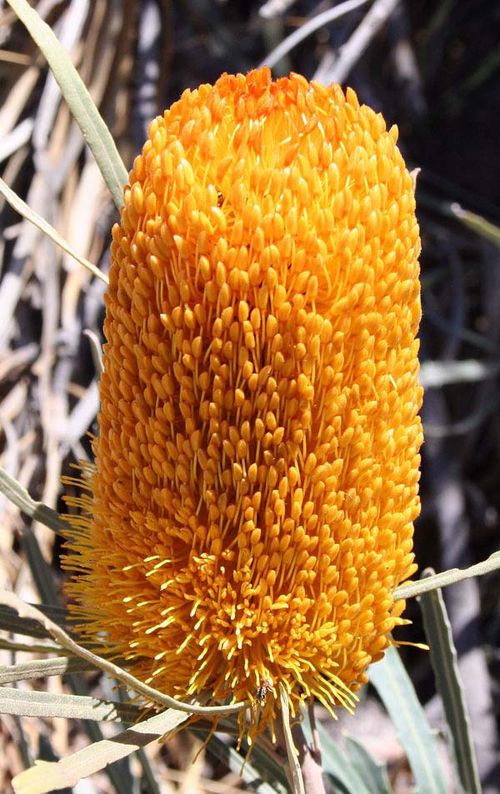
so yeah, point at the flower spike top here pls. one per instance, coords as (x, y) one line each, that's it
(256, 476)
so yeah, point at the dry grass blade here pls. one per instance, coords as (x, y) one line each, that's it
(153, 695)
(360, 39)
(30, 215)
(309, 27)
(49, 776)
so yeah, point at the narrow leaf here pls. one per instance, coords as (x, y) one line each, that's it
(42, 574)
(114, 670)
(373, 774)
(81, 104)
(269, 764)
(444, 663)
(10, 621)
(236, 763)
(446, 578)
(346, 778)
(29, 703)
(477, 223)
(37, 510)
(41, 668)
(27, 647)
(419, 741)
(51, 776)
(33, 217)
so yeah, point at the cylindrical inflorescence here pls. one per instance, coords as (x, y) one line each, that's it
(256, 471)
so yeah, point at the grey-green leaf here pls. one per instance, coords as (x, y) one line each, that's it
(29, 703)
(81, 104)
(10, 621)
(40, 668)
(19, 496)
(396, 690)
(346, 778)
(51, 776)
(249, 770)
(33, 217)
(373, 773)
(444, 663)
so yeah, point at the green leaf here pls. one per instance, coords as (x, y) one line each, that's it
(43, 576)
(444, 663)
(395, 689)
(373, 773)
(269, 764)
(29, 703)
(81, 104)
(49, 776)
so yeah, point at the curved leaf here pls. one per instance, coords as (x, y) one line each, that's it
(81, 104)
(395, 689)
(49, 776)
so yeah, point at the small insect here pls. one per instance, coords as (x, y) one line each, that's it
(263, 690)
(220, 199)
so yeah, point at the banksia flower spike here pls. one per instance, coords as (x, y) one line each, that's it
(256, 472)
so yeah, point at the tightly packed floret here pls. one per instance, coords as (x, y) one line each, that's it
(256, 471)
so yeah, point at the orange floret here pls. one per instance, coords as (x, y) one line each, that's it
(257, 465)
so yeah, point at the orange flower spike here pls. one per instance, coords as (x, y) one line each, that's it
(257, 466)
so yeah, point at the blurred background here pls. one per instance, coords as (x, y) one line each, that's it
(433, 68)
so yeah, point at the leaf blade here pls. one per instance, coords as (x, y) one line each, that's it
(346, 778)
(41, 668)
(444, 663)
(19, 496)
(374, 774)
(44, 226)
(49, 776)
(81, 104)
(398, 695)
(31, 703)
